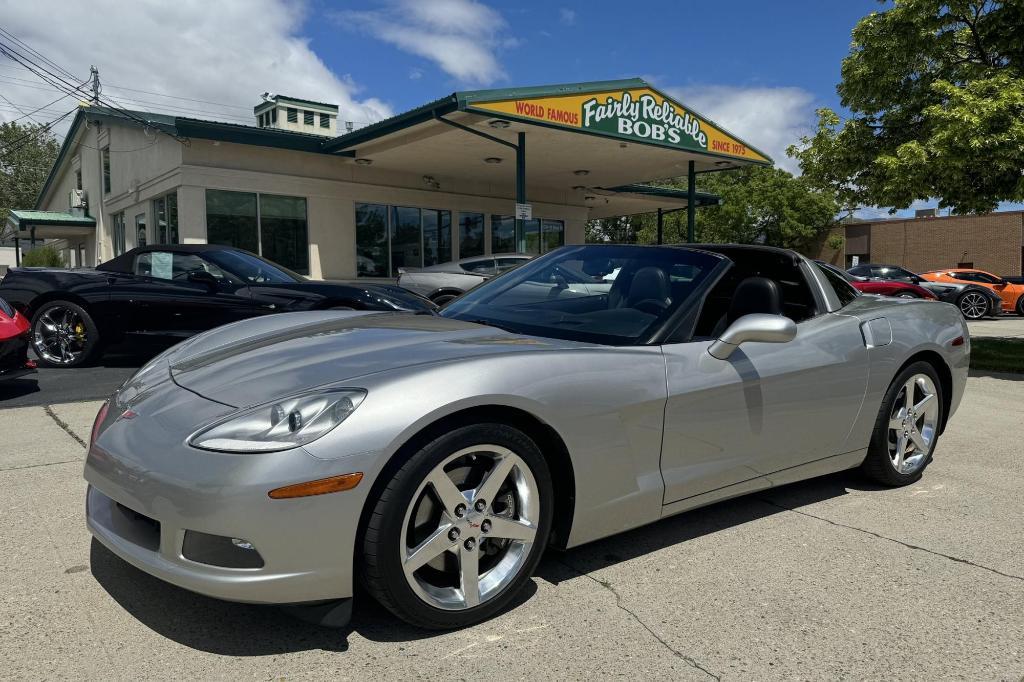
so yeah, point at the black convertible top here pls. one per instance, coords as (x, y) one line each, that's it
(125, 262)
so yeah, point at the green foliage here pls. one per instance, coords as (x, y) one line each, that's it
(759, 205)
(936, 91)
(43, 256)
(27, 153)
(834, 242)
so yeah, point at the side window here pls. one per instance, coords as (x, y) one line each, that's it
(844, 291)
(156, 264)
(184, 263)
(481, 267)
(509, 263)
(860, 271)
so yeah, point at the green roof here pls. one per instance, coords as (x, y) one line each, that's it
(24, 217)
(703, 198)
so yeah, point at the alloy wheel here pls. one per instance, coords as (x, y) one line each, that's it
(913, 424)
(469, 528)
(973, 305)
(60, 336)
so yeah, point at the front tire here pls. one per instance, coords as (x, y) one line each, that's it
(1020, 306)
(973, 305)
(907, 427)
(459, 528)
(64, 335)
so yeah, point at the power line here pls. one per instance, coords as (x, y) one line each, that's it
(29, 114)
(62, 85)
(187, 99)
(26, 139)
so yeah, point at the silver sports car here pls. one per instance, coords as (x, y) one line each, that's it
(434, 457)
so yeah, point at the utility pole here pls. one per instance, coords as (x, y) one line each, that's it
(95, 74)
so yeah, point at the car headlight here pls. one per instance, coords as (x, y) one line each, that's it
(280, 425)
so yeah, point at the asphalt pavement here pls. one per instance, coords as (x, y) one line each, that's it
(827, 579)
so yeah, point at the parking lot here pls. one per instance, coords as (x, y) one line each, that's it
(831, 578)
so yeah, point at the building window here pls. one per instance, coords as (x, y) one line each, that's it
(165, 214)
(503, 234)
(273, 226)
(539, 236)
(283, 234)
(273, 116)
(117, 233)
(106, 170)
(552, 235)
(371, 240)
(293, 115)
(78, 178)
(471, 235)
(307, 118)
(325, 120)
(392, 237)
(259, 120)
(140, 230)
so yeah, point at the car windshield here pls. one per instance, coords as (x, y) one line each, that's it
(615, 295)
(251, 268)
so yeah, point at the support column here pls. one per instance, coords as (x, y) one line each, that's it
(691, 203)
(521, 190)
(661, 227)
(17, 252)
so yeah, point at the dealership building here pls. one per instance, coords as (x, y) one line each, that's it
(473, 173)
(993, 242)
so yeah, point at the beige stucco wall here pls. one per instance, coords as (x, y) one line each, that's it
(146, 166)
(331, 193)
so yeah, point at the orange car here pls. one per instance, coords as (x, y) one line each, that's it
(1012, 294)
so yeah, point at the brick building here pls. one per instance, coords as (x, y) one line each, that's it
(992, 242)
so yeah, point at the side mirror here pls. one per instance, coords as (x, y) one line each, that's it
(916, 279)
(203, 277)
(757, 327)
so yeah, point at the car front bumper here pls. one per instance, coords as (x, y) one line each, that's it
(150, 496)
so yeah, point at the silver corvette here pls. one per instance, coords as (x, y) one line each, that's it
(434, 457)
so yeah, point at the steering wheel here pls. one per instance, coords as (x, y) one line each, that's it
(653, 306)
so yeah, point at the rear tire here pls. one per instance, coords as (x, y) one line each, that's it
(973, 305)
(907, 427)
(436, 552)
(1020, 306)
(441, 299)
(64, 335)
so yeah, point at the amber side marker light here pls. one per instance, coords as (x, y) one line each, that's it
(322, 486)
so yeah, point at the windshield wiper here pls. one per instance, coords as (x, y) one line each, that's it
(488, 323)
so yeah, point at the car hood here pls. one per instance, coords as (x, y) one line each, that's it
(255, 361)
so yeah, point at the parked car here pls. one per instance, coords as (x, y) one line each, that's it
(436, 457)
(973, 300)
(881, 287)
(441, 283)
(14, 328)
(172, 290)
(1011, 296)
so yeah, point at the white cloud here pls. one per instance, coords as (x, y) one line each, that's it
(223, 52)
(567, 16)
(770, 119)
(457, 35)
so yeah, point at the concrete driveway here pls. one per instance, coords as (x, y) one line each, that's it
(832, 578)
(1004, 326)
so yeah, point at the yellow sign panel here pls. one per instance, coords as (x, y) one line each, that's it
(638, 114)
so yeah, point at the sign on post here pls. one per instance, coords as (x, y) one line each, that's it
(854, 261)
(524, 211)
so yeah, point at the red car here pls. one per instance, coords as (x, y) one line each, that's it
(14, 332)
(882, 287)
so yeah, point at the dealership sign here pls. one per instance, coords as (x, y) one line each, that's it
(638, 114)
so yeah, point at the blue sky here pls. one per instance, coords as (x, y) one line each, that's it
(735, 43)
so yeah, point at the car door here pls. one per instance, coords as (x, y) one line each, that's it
(768, 407)
(165, 299)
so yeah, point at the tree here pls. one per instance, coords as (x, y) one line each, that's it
(759, 205)
(44, 256)
(27, 152)
(936, 94)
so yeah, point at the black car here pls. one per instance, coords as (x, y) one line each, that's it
(975, 302)
(173, 290)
